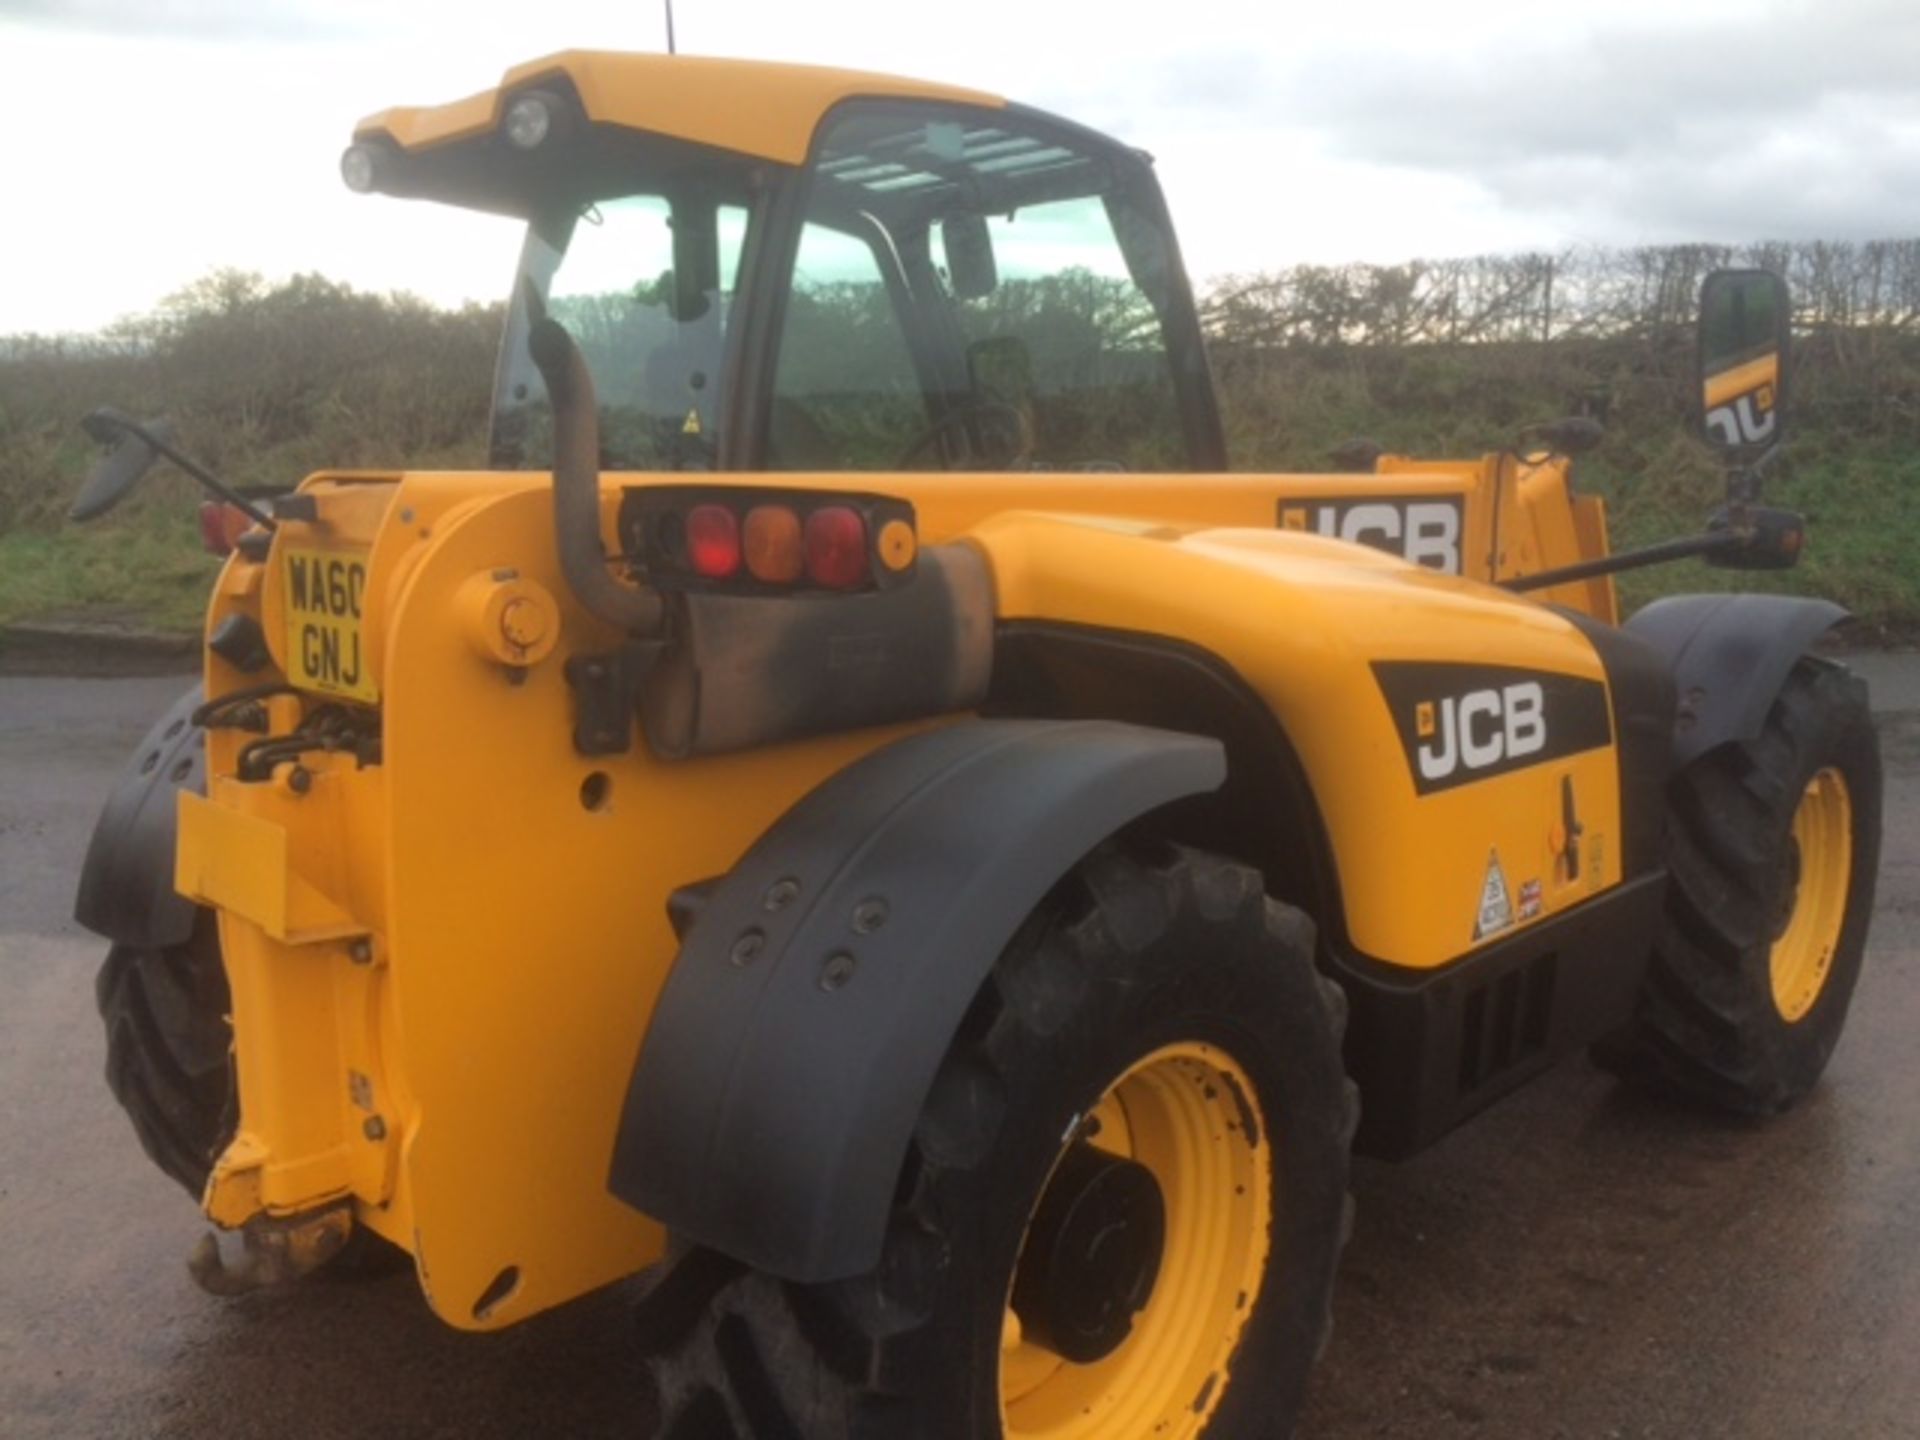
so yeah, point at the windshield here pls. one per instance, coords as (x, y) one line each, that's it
(645, 285)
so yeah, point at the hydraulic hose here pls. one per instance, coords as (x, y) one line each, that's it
(576, 481)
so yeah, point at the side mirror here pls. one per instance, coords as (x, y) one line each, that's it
(969, 250)
(123, 466)
(1746, 319)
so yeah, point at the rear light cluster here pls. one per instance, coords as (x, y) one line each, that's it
(759, 541)
(222, 525)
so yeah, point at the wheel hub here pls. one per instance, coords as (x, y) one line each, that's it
(1092, 1255)
(1816, 881)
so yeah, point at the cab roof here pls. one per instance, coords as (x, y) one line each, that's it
(752, 107)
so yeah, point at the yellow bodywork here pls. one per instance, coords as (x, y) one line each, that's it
(687, 97)
(442, 964)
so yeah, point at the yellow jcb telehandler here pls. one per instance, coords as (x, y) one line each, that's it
(862, 815)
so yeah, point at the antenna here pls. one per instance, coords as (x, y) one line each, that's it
(671, 48)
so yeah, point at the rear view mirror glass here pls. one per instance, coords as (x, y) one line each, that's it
(1745, 326)
(127, 460)
(969, 250)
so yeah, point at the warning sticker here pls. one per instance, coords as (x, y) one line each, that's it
(1529, 899)
(691, 425)
(1496, 903)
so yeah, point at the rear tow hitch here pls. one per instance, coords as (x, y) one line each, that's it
(271, 1252)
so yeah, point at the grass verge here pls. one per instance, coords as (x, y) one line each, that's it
(148, 572)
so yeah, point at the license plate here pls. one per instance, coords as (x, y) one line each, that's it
(325, 590)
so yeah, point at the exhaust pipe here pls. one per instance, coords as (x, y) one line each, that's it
(576, 479)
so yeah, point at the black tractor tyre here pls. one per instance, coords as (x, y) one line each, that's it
(1708, 1028)
(169, 1045)
(1132, 954)
(170, 1065)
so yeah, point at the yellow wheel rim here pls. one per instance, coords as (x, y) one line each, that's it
(1189, 1114)
(1803, 953)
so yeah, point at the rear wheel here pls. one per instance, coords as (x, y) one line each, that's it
(168, 1050)
(1120, 1214)
(1774, 845)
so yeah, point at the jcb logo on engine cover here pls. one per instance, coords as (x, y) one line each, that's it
(1460, 723)
(1424, 529)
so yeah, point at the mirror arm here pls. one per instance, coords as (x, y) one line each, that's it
(233, 497)
(1743, 481)
(1686, 548)
(1744, 486)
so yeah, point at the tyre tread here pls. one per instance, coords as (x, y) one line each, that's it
(179, 1104)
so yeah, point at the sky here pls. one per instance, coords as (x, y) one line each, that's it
(151, 141)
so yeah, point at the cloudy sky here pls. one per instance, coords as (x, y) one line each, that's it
(153, 140)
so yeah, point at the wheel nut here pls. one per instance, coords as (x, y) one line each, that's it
(869, 916)
(837, 971)
(781, 894)
(748, 947)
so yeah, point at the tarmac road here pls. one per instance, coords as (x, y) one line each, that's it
(1577, 1263)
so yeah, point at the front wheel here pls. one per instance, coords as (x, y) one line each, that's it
(1119, 1217)
(1774, 844)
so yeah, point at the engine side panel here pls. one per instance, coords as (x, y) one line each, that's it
(1458, 742)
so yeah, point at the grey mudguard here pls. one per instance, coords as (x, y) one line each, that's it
(794, 1044)
(1730, 656)
(126, 884)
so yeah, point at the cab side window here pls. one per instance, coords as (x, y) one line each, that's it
(976, 290)
(1069, 337)
(846, 395)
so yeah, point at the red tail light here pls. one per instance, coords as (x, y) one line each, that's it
(221, 526)
(836, 547)
(713, 541)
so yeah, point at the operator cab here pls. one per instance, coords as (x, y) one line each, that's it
(935, 285)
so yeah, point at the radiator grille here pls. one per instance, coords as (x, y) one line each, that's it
(1505, 1022)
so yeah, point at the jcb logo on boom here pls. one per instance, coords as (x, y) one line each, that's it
(1481, 728)
(1423, 529)
(1464, 722)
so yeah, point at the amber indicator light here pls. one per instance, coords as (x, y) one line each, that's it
(775, 553)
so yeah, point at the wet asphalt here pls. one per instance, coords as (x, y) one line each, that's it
(1579, 1262)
